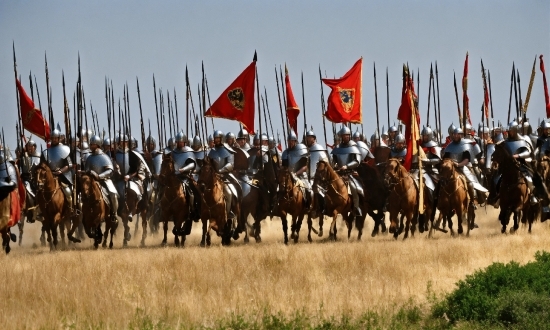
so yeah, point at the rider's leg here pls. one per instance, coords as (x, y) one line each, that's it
(114, 205)
(529, 180)
(228, 201)
(355, 196)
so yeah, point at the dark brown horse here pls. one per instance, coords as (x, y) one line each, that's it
(337, 200)
(173, 204)
(96, 211)
(513, 191)
(403, 198)
(53, 205)
(290, 202)
(213, 212)
(377, 195)
(453, 197)
(130, 204)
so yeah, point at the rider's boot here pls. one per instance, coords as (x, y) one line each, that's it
(114, 206)
(68, 196)
(532, 199)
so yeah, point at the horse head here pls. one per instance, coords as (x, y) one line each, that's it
(393, 169)
(42, 175)
(207, 175)
(285, 178)
(447, 168)
(322, 173)
(504, 158)
(87, 184)
(166, 169)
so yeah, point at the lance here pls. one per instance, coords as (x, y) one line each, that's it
(193, 110)
(30, 82)
(516, 93)
(417, 85)
(177, 114)
(67, 115)
(8, 178)
(163, 118)
(145, 147)
(435, 102)
(149, 120)
(157, 113)
(204, 92)
(281, 106)
(491, 100)
(485, 92)
(376, 100)
(113, 113)
(121, 134)
(171, 108)
(19, 138)
(37, 94)
(429, 94)
(255, 59)
(48, 91)
(284, 99)
(511, 86)
(520, 101)
(323, 106)
(268, 112)
(95, 118)
(108, 114)
(186, 101)
(304, 105)
(265, 115)
(169, 114)
(129, 119)
(438, 104)
(528, 96)
(457, 101)
(210, 104)
(200, 111)
(388, 96)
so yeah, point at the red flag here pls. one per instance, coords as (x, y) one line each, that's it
(292, 109)
(279, 146)
(407, 111)
(546, 98)
(32, 118)
(344, 101)
(237, 101)
(465, 99)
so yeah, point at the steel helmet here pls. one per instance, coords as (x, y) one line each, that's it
(311, 133)
(197, 143)
(544, 124)
(458, 130)
(55, 133)
(400, 138)
(242, 134)
(210, 138)
(427, 130)
(292, 136)
(451, 129)
(344, 131)
(356, 135)
(229, 136)
(218, 134)
(180, 137)
(392, 128)
(95, 139)
(106, 141)
(31, 143)
(264, 137)
(513, 126)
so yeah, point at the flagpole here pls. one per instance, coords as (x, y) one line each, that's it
(284, 100)
(304, 106)
(281, 107)
(255, 59)
(438, 105)
(376, 103)
(429, 95)
(17, 96)
(511, 86)
(268, 113)
(323, 109)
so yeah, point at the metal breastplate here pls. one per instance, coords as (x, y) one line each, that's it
(28, 163)
(123, 161)
(365, 151)
(219, 156)
(182, 157)
(316, 154)
(514, 145)
(398, 153)
(156, 162)
(345, 153)
(98, 163)
(294, 155)
(56, 156)
(489, 155)
(10, 172)
(455, 150)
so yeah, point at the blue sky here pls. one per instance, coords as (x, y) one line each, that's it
(125, 39)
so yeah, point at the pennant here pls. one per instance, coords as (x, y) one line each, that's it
(546, 98)
(32, 118)
(292, 109)
(408, 114)
(344, 103)
(465, 99)
(237, 101)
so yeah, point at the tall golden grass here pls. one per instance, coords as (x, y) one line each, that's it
(193, 285)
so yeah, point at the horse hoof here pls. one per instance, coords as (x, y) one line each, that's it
(374, 232)
(309, 238)
(292, 236)
(111, 245)
(503, 230)
(8, 249)
(246, 240)
(460, 230)
(142, 244)
(96, 246)
(258, 239)
(296, 238)
(13, 237)
(321, 232)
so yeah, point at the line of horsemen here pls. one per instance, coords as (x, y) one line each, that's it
(122, 165)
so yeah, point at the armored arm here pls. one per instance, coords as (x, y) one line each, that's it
(187, 168)
(228, 167)
(355, 160)
(106, 174)
(523, 153)
(431, 161)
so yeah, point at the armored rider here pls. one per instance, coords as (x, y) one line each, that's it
(461, 151)
(544, 129)
(399, 149)
(346, 158)
(432, 152)
(392, 134)
(222, 158)
(100, 167)
(295, 159)
(184, 161)
(243, 139)
(28, 162)
(57, 156)
(317, 153)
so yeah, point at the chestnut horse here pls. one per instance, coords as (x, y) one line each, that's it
(290, 200)
(513, 191)
(337, 200)
(5, 217)
(95, 211)
(53, 205)
(403, 198)
(453, 197)
(173, 204)
(213, 210)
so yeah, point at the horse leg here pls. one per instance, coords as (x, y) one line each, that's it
(143, 227)
(309, 226)
(127, 235)
(53, 229)
(136, 226)
(257, 230)
(332, 231)
(20, 225)
(504, 217)
(298, 226)
(105, 234)
(376, 220)
(204, 232)
(321, 222)
(165, 230)
(359, 224)
(401, 224)
(409, 218)
(284, 222)
(43, 235)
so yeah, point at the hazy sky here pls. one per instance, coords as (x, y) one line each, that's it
(125, 39)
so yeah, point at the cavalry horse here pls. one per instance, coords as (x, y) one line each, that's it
(213, 212)
(10, 213)
(512, 191)
(54, 207)
(95, 210)
(130, 205)
(403, 199)
(290, 199)
(452, 197)
(173, 204)
(337, 200)
(377, 195)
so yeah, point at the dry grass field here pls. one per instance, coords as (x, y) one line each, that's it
(83, 288)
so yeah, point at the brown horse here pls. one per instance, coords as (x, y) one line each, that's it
(173, 204)
(453, 197)
(95, 211)
(213, 212)
(513, 191)
(403, 198)
(5, 218)
(53, 205)
(337, 200)
(377, 195)
(129, 204)
(290, 201)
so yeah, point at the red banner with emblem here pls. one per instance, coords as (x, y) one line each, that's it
(237, 101)
(32, 118)
(344, 101)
